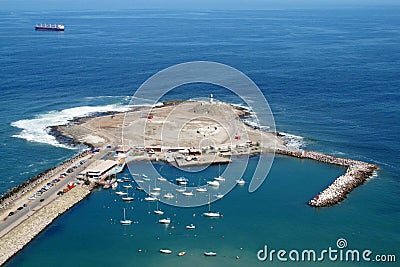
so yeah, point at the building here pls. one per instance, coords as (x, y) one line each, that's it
(100, 167)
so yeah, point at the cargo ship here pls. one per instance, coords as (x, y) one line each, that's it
(50, 27)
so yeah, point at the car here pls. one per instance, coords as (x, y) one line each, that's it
(11, 213)
(20, 208)
(41, 200)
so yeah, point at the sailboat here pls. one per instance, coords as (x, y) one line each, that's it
(125, 221)
(158, 211)
(150, 197)
(121, 193)
(155, 188)
(127, 198)
(210, 213)
(219, 178)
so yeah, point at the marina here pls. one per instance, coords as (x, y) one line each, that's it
(103, 172)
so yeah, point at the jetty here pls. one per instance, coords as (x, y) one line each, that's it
(20, 235)
(356, 174)
(197, 133)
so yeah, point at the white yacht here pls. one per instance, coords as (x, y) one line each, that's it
(201, 189)
(213, 183)
(125, 221)
(169, 195)
(165, 221)
(240, 182)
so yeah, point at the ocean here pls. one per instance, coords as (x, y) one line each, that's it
(330, 78)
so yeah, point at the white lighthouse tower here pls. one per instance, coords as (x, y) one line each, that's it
(211, 98)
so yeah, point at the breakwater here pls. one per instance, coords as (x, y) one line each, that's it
(15, 193)
(356, 174)
(22, 234)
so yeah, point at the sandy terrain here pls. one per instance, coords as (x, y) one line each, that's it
(187, 124)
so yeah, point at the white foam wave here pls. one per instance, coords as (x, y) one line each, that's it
(36, 129)
(293, 141)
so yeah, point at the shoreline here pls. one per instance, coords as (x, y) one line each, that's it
(357, 172)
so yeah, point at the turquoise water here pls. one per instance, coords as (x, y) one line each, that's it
(91, 231)
(330, 77)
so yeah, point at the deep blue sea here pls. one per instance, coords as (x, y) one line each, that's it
(331, 78)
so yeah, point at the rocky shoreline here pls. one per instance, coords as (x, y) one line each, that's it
(21, 235)
(356, 174)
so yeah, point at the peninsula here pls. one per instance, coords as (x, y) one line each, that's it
(182, 133)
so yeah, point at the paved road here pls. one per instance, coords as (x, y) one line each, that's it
(48, 196)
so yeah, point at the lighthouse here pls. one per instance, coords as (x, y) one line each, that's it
(211, 98)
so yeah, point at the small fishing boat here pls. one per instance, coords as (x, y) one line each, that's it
(120, 193)
(139, 188)
(165, 251)
(182, 253)
(161, 179)
(144, 175)
(127, 186)
(127, 180)
(156, 194)
(210, 254)
(190, 226)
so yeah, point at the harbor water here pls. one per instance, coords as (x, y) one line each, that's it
(330, 77)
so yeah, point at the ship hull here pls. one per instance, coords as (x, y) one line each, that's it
(48, 29)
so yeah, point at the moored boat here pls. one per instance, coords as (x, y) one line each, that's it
(240, 182)
(213, 183)
(210, 254)
(182, 253)
(165, 221)
(165, 251)
(125, 221)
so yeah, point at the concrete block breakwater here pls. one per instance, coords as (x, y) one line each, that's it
(356, 174)
(21, 235)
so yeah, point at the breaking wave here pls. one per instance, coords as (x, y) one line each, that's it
(37, 129)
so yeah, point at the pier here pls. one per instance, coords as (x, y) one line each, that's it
(356, 174)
